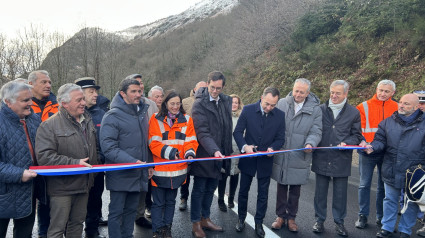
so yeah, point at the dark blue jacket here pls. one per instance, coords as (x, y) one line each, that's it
(403, 146)
(124, 139)
(97, 114)
(264, 132)
(15, 196)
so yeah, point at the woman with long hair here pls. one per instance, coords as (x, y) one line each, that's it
(171, 137)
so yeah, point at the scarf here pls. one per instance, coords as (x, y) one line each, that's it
(409, 119)
(336, 108)
(171, 118)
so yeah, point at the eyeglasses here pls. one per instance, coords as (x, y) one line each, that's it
(218, 89)
(175, 104)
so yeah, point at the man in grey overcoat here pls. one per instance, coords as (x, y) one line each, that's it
(303, 119)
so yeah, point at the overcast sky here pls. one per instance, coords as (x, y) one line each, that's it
(70, 16)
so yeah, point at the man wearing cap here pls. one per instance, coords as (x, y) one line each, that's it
(144, 195)
(45, 105)
(94, 204)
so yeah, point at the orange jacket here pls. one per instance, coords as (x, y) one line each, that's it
(372, 112)
(51, 108)
(165, 142)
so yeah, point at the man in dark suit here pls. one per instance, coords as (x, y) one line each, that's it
(261, 126)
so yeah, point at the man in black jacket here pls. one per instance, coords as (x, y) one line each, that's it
(341, 126)
(212, 117)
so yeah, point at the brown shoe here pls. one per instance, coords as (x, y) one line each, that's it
(208, 224)
(197, 230)
(278, 223)
(292, 226)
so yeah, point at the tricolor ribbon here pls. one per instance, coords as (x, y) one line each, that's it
(55, 170)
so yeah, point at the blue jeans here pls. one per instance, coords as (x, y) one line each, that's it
(164, 201)
(201, 198)
(122, 213)
(367, 164)
(407, 219)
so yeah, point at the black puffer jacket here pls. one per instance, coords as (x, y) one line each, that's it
(212, 135)
(345, 128)
(403, 145)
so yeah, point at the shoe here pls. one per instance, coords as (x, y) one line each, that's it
(197, 230)
(183, 205)
(421, 232)
(240, 225)
(148, 212)
(222, 206)
(404, 235)
(166, 232)
(97, 235)
(361, 223)
(209, 225)
(278, 223)
(230, 203)
(259, 230)
(157, 235)
(143, 222)
(340, 229)
(292, 226)
(383, 234)
(318, 227)
(103, 221)
(379, 222)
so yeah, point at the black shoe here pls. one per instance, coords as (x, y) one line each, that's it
(157, 234)
(103, 221)
(361, 223)
(183, 204)
(340, 229)
(379, 222)
(259, 230)
(143, 222)
(383, 234)
(318, 227)
(166, 232)
(222, 206)
(240, 225)
(94, 236)
(404, 235)
(230, 203)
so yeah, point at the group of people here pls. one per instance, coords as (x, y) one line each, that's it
(79, 127)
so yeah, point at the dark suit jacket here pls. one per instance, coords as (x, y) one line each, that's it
(264, 132)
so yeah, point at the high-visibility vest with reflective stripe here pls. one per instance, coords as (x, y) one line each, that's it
(372, 112)
(163, 139)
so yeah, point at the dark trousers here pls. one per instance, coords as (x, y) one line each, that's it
(43, 217)
(122, 213)
(22, 227)
(164, 202)
(184, 189)
(202, 196)
(148, 198)
(339, 199)
(287, 204)
(262, 197)
(234, 179)
(94, 205)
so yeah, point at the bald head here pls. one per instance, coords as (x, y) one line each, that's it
(199, 85)
(408, 104)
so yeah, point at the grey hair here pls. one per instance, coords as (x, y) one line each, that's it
(340, 82)
(65, 91)
(387, 82)
(273, 91)
(304, 81)
(10, 91)
(20, 80)
(156, 87)
(134, 76)
(32, 77)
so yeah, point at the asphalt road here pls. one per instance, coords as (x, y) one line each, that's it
(305, 219)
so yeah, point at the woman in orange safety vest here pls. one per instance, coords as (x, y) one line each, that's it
(171, 137)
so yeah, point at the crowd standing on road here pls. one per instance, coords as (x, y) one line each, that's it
(79, 127)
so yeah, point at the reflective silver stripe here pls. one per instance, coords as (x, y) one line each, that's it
(167, 152)
(187, 117)
(183, 130)
(161, 126)
(169, 173)
(367, 128)
(173, 142)
(190, 138)
(156, 138)
(189, 151)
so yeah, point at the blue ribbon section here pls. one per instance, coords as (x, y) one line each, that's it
(56, 170)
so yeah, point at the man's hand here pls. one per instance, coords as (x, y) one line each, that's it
(249, 149)
(28, 175)
(363, 143)
(190, 157)
(218, 154)
(150, 171)
(270, 150)
(309, 150)
(342, 144)
(369, 149)
(84, 162)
